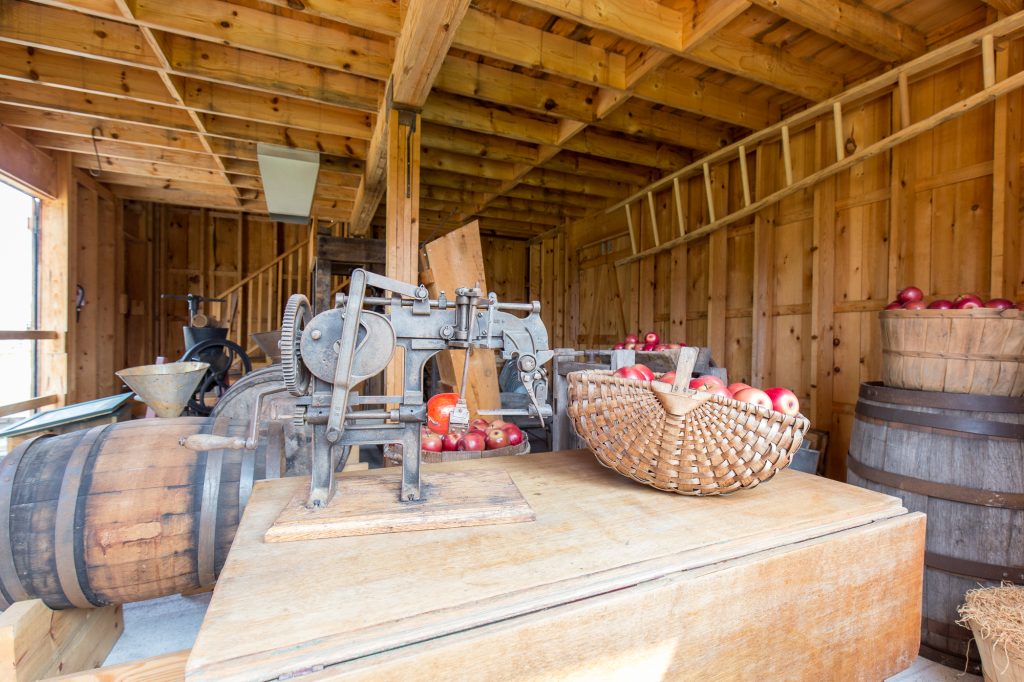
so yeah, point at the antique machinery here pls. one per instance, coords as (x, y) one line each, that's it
(324, 358)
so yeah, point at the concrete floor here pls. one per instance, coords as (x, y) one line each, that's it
(169, 624)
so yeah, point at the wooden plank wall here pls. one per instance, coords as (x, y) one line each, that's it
(791, 296)
(505, 266)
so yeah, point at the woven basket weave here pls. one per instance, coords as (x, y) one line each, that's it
(683, 441)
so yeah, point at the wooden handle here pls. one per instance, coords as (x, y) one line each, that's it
(684, 367)
(201, 442)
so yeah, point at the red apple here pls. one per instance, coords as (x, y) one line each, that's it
(706, 380)
(630, 372)
(674, 346)
(914, 305)
(754, 396)
(431, 442)
(515, 434)
(631, 338)
(480, 424)
(496, 438)
(472, 441)
(1000, 303)
(668, 377)
(909, 294)
(439, 411)
(630, 346)
(645, 370)
(652, 338)
(940, 304)
(737, 387)
(450, 441)
(784, 400)
(967, 297)
(648, 347)
(660, 347)
(498, 424)
(619, 346)
(895, 305)
(719, 390)
(967, 304)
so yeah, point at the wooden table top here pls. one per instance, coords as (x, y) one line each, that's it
(283, 607)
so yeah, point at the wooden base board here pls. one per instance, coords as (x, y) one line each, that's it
(38, 642)
(368, 505)
(164, 668)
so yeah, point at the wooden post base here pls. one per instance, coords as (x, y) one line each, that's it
(369, 504)
(38, 642)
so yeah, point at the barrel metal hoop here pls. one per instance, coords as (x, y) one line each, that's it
(246, 477)
(208, 510)
(947, 355)
(874, 390)
(945, 491)
(10, 583)
(948, 630)
(975, 570)
(64, 522)
(943, 422)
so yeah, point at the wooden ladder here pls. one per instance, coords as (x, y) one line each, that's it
(895, 83)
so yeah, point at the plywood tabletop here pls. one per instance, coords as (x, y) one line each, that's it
(285, 607)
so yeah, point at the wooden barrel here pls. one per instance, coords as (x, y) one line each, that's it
(958, 458)
(121, 512)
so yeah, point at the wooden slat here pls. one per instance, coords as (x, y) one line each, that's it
(25, 164)
(27, 334)
(164, 668)
(30, 404)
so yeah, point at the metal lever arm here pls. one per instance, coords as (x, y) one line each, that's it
(200, 442)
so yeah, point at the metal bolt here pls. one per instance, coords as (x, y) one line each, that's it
(315, 334)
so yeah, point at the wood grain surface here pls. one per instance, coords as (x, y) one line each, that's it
(328, 602)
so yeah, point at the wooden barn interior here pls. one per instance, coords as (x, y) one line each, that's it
(753, 178)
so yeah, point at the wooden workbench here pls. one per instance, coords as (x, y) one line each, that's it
(800, 578)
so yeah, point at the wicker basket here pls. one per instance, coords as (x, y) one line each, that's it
(978, 351)
(684, 441)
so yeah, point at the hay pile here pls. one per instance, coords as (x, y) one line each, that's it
(997, 615)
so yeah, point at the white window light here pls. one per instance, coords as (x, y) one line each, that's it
(289, 181)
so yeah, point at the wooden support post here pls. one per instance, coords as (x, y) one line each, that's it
(744, 176)
(1006, 177)
(763, 343)
(654, 219)
(823, 303)
(678, 196)
(787, 157)
(56, 281)
(903, 89)
(403, 206)
(718, 272)
(632, 231)
(709, 193)
(988, 60)
(837, 120)
(38, 642)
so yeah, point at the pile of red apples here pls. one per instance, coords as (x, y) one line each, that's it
(912, 298)
(481, 435)
(779, 399)
(651, 342)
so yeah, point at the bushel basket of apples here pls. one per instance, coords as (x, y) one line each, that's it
(965, 345)
(707, 440)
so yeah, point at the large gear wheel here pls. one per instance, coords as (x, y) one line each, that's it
(297, 314)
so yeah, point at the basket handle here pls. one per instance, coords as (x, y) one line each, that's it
(684, 367)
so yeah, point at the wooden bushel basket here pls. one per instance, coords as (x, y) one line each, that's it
(680, 440)
(978, 350)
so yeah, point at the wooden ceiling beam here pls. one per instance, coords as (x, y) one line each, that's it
(468, 78)
(510, 41)
(65, 30)
(465, 183)
(253, 29)
(467, 114)
(225, 100)
(89, 104)
(705, 98)
(427, 32)
(83, 126)
(540, 177)
(379, 16)
(1005, 6)
(254, 131)
(636, 118)
(234, 66)
(120, 150)
(530, 193)
(466, 165)
(234, 152)
(643, 21)
(471, 143)
(164, 171)
(857, 25)
(111, 178)
(219, 200)
(580, 164)
(606, 145)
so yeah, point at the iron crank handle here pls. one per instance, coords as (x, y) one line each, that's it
(200, 442)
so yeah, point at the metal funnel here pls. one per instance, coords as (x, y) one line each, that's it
(268, 343)
(165, 388)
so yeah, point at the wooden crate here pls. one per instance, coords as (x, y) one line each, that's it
(794, 579)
